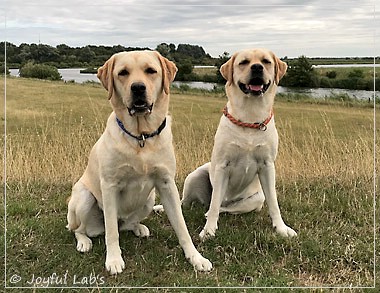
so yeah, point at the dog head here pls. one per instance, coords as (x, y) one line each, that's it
(137, 79)
(253, 72)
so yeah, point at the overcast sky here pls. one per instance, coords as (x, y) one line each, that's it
(287, 27)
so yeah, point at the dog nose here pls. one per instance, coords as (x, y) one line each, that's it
(257, 67)
(138, 88)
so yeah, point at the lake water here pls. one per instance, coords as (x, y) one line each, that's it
(75, 75)
(345, 65)
(69, 74)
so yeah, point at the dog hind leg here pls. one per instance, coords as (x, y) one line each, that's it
(251, 199)
(197, 186)
(253, 202)
(84, 216)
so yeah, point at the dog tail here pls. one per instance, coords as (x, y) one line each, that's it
(197, 186)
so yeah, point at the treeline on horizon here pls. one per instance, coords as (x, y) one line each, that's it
(42, 61)
(64, 56)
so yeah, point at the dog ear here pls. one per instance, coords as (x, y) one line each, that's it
(279, 68)
(227, 70)
(169, 71)
(106, 77)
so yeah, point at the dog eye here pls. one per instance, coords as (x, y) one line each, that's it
(244, 62)
(266, 61)
(124, 72)
(151, 70)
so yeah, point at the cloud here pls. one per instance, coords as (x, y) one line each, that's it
(318, 28)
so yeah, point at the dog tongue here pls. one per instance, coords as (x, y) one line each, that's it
(255, 88)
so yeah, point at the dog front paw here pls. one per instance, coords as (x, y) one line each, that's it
(285, 231)
(159, 209)
(207, 233)
(84, 244)
(200, 263)
(115, 264)
(141, 230)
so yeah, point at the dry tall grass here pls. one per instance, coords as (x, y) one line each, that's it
(53, 147)
(318, 153)
(324, 179)
(50, 154)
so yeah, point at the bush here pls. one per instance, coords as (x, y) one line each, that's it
(4, 70)
(344, 83)
(300, 74)
(325, 82)
(209, 78)
(219, 62)
(185, 70)
(377, 84)
(40, 71)
(356, 73)
(331, 74)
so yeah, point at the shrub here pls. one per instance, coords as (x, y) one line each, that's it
(356, 73)
(331, 74)
(209, 78)
(377, 84)
(219, 62)
(300, 74)
(4, 70)
(185, 70)
(40, 71)
(344, 83)
(325, 82)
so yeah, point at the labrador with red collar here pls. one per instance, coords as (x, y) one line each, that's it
(241, 174)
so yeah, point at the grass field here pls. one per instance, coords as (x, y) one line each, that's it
(344, 72)
(324, 182)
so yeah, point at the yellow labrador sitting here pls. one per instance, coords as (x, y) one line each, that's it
(133, 158)
(241, 174)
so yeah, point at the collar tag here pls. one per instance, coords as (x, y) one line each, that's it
(262, 126)
(142, 138)
(142, 141)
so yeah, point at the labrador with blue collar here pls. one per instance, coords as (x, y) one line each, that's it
(133, 158)
(241, 174)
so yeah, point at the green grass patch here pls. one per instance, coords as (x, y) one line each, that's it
(324, 183)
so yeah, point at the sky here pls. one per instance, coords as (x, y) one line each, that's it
(316, 28)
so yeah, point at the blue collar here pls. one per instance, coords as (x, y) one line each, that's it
(142, 137)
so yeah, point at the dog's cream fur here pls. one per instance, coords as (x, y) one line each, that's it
(241, 174)
(121, 177)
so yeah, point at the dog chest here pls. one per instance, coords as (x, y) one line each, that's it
(134, 180)
(242, 168)
(243, 161)
(134, 195)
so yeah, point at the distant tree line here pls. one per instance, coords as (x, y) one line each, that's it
(301, 73)
(64, 56)
(185, 57)
(42, 61)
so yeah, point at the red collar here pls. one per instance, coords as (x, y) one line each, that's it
(257, 125)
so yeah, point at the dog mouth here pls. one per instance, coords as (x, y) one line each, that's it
(256, 87)
(140, 108)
